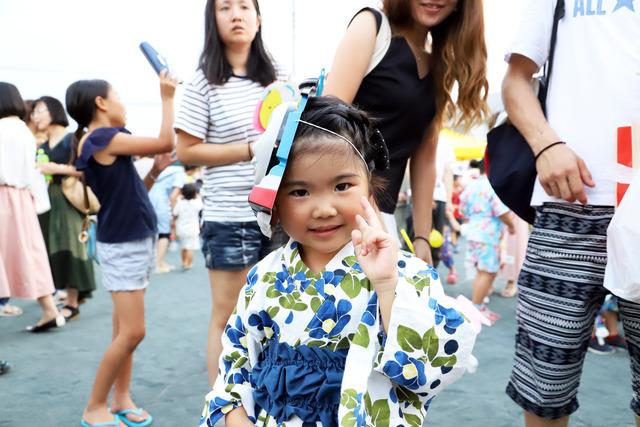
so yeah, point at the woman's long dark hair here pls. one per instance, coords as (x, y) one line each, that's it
(214, 63)
(81, 106)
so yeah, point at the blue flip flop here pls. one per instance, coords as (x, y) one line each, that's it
(122, 416)
(114, 423)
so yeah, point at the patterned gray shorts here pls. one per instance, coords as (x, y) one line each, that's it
(559, 293)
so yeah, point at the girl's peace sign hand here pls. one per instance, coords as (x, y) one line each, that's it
(376, 250)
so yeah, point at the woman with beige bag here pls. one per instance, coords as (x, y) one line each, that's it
(71, 267)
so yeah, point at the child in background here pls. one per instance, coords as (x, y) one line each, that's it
(446, 255)
(126, 233)
(485, 214)
(515, 249)
(164, 196)
(606, 338)
(455, 204)
(338, 298)
(187, 215)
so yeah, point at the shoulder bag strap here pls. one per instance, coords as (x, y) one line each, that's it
(87, 206)
(83, 237)
(383, 40)
(558, 14)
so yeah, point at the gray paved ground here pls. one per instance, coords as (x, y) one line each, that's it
(53, 372)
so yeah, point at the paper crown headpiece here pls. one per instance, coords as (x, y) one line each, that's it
(273, 148)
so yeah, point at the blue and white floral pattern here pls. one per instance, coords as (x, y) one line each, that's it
(406, 371)
(236, 333)
(330, 319)
(393, 374)
(451, 317)
(262, 321)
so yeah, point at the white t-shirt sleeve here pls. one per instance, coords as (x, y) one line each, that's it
(534, 31)
(193, 115)
(178, 208)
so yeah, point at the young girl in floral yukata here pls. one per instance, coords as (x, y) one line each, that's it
(338, 327)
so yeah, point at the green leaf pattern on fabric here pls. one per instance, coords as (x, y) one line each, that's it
(430, 343)
(362, 336)
(348, 399)
(408, 339)
(351, 285)
(287, 302)
(380, 413)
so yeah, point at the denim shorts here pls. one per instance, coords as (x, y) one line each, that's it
(127, 266)
(236, 245)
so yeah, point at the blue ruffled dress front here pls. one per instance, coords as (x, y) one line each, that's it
(302, 381)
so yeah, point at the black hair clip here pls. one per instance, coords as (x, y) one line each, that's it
(379, 154)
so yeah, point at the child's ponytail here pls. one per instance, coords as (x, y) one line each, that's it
(81, 106)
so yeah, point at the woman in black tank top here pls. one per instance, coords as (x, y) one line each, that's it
(407, 89)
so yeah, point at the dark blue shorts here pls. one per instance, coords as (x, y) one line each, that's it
(235, 245)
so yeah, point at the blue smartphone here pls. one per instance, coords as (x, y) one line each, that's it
(156, 60)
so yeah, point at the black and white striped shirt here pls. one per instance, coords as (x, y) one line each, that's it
(223, 114)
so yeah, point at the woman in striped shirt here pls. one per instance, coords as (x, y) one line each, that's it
(215, 129)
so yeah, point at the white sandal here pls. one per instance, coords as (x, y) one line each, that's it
(509, 291)
(10, 311)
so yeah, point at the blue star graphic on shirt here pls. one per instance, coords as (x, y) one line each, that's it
(624, 3)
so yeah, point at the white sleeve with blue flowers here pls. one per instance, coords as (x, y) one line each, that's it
(423, 330)
(427, 347)
(232, 387)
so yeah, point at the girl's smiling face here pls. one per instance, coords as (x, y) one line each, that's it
(319, 198)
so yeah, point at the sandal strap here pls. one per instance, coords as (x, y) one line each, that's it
(73, 310)
(137, 412)
(114, 423)
(10, 309)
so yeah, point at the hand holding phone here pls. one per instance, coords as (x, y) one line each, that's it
(157, 61)
(168, 85)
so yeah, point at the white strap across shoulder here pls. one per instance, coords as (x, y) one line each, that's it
(383, 40)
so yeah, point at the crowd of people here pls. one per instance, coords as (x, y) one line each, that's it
(311, 281)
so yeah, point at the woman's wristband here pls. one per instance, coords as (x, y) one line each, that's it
(421, 238)
(546, 148)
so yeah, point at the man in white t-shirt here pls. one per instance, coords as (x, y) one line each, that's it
(594, 90)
